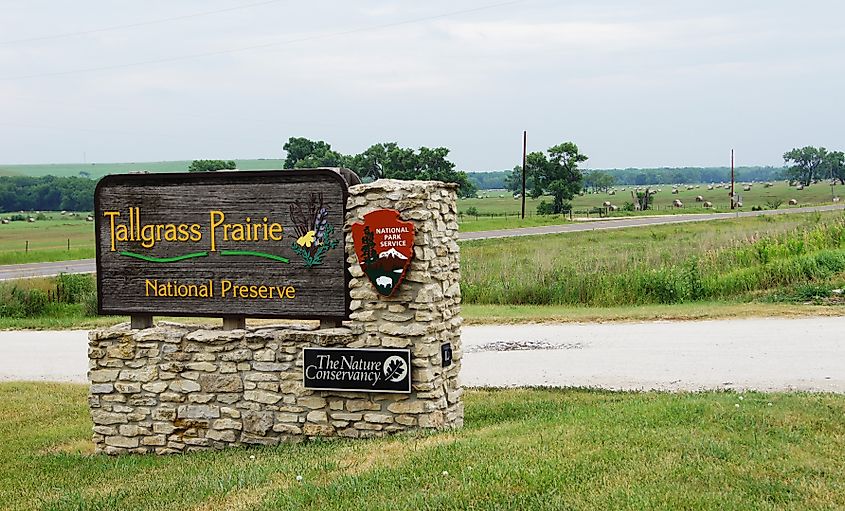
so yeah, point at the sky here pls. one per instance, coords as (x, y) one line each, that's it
(645, 83)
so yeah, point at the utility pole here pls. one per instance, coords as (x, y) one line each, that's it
(733, 197)
(524, 149)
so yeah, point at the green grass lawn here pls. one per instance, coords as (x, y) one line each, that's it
(543, 449)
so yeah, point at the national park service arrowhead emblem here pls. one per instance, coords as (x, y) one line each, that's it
(384, 245)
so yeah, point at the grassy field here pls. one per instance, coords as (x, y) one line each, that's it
(784, 265)
(71, 317)
(497, 210)
(739, 259)
(500, 202)
(517, 314)
(520, 449)
(47, 239)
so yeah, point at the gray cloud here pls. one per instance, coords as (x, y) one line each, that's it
(633, 83)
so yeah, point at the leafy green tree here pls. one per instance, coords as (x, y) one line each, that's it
(389, 161)
(211, 165)
(513, 181)
(371, 164)
(557, 175)
(303, 153)
(834, 166)
(46, 193)
(598, 180)
(805, 164)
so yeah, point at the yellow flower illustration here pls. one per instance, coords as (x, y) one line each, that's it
(306, 239)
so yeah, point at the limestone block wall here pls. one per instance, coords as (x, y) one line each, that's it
(425, 312)
(174, 388)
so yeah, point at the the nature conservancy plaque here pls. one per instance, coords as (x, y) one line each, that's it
(365, 370)
(259, 244)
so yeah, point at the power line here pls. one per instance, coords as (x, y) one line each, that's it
(134, 25)
(266, 45)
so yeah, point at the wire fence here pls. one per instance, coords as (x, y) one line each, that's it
(27, 246)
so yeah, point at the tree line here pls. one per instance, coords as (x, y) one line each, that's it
(555, 172)
(601, 178)
(46, 193)
(383, 160)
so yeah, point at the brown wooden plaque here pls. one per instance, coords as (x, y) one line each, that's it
(259, 244)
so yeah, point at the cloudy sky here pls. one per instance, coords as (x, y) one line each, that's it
(645, 83)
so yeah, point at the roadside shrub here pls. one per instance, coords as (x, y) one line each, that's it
(545, 208)
(89, 304)
(74, 288)
(692, 276)
(19, 303)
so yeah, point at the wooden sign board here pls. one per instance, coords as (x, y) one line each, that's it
(260, 244)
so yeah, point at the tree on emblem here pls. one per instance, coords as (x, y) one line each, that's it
(368, 245)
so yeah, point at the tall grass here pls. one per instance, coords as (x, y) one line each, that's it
(49, 296)
(666, 264)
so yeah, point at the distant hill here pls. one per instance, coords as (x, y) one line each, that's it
(486, 180)
(98, 170)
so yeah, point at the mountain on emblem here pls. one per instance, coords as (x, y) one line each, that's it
(384, 245)
(391, 253)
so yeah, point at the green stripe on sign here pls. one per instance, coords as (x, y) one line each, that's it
(253, 253)
(164, 259)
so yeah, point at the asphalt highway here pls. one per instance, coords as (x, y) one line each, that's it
(16, 271)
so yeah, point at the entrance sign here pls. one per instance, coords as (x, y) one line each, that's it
(258, 244)
(384, 245)
(363, 370)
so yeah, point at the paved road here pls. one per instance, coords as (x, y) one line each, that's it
(17, 271)
(764, 354)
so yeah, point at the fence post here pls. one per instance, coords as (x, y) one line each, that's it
(27, 247)
(68, 244)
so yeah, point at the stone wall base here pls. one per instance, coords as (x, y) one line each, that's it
(174, 388)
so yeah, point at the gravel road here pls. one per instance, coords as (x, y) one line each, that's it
(763, 354)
